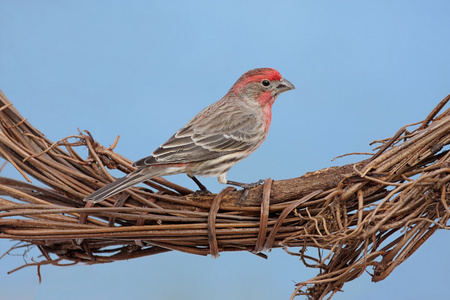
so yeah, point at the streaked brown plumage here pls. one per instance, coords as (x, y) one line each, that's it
(218, 137)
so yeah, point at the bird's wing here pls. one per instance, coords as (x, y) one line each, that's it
(205, 138)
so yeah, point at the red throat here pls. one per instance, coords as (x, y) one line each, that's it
(266, 101)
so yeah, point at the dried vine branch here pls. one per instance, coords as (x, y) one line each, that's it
(369, 216)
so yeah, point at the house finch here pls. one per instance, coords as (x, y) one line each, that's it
(218, 137)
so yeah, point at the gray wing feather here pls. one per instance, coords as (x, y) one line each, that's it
(205, 138)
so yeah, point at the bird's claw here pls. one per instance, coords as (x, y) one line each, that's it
(200, 193)
(243, 196)
(247, 187)
(261, 181)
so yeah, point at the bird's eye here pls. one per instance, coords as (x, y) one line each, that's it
(265, 82)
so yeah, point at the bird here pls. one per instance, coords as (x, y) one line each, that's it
(217, 138)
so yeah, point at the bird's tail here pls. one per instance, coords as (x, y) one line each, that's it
(120, 184)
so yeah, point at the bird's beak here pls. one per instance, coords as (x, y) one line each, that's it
(284, 86)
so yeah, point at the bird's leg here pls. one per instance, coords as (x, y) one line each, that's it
(203, 190)
(245, 186)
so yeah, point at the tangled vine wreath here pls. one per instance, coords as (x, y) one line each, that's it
(368, 216)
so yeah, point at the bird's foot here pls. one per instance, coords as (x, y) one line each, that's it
(245, 186)
(201, 192)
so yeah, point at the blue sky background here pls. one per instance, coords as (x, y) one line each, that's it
(142, 69)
